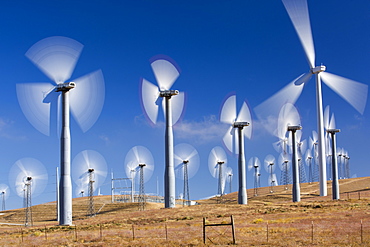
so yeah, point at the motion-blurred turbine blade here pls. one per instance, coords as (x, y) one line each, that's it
(165, 72)
(304, 78)
(31, 99)
(268, 111)
(177, 106)
(228, 111)
(87, 99)
(332, 122)
(298, 13)
(230, 140)
(150, 100)
(326, 117)
(245, 116)
(56, 57)
(353, 92)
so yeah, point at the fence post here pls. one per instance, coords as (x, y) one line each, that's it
(46, 233)
(359, 195)
(267, 225)
(204, 230)
(312, 231)
(76, 232)
(361, 233)
(232, 228)
(22, 234)
(133, 232)
(101, 233)
(166, 231)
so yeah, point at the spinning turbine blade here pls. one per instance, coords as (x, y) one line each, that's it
(245, 116)
(87, 99)
(268, 110)
(178, 108)
(56, 57)
(186, 152)
(85, 160)
(139, 155)
(288, 116)
(150, 100)
(165, 72)
(298, 13)
(31, 98)
(4, 189)
(228, 112)
(28, 167)
(353, 92)
(216, 155)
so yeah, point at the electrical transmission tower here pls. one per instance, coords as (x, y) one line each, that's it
(141, 189)
(27, 201)
(91, 208)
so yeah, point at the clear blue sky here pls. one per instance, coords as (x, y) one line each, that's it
(249, 47)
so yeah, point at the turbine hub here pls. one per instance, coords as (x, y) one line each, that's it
(318, 69)
(240, 124)
(65, 86)
(168, 93)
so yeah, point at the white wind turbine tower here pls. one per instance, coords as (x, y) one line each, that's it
(354, 93)
(331, 130)
(186, 166)
(56, 57)
(235, 141)
(217, 164)
(139, 161)
(289, 120)
(4, 192)
(166, 73)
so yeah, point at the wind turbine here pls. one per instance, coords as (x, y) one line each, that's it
(229, 174)
(89, 173)
(255, 163)
(28, 178)
(269, 164)
(166, 73)
(284, 166)
(331, 130)
(217, 163)
(4, 192)
(186, 166)
(289, 120)
(56, 57)
(139, 160)
(353, 92)
(235, 142)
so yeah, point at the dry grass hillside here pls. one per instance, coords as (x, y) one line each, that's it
(269, 219)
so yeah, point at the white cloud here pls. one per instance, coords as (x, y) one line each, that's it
(206, 131)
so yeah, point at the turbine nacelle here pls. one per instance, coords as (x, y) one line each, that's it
(294, 128)
(318, 69)
(168, 93)
(65, 86)
(333, 131)
(240, 124)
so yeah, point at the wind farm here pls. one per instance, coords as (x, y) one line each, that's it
(153, 77)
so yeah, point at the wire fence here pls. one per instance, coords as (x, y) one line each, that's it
(292, 232)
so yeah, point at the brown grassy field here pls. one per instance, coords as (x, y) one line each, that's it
(269, 219)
